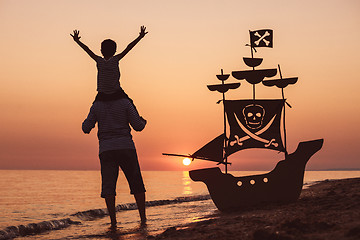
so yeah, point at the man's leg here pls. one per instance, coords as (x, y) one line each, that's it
(109, 175)
(130, 166)
(140, 202)
(110, 204)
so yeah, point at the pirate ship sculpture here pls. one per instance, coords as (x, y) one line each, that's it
(254, 123)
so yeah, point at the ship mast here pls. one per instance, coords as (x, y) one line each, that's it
(252, 56)
(282, 83)
(222, 78)
(283, 97)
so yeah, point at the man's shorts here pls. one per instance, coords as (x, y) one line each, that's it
(128, 161)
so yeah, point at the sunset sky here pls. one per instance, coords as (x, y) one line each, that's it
(48, 83)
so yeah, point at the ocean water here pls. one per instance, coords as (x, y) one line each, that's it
(51, 204)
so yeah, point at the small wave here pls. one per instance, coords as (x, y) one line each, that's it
(36, 228)
(99, 213)
(311, 183)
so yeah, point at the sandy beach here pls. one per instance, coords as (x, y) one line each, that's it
(327, 210)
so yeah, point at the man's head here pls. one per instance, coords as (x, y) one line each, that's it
(108, 48)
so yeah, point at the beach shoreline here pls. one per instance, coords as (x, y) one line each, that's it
(328, 209)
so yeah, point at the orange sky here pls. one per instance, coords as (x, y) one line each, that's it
(48, 83)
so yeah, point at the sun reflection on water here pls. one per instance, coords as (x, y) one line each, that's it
(186, 182)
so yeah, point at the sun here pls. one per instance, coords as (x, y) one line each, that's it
(186, 161)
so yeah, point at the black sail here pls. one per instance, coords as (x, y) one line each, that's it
(254, 124)
(212, 151)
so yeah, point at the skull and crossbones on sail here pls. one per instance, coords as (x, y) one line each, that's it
(254, 124)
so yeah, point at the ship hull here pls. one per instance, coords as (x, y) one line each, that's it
(283, 184)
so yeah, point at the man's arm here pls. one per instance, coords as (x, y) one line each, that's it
(133, 43)
(89, 122)
(76, 38)
(137, 123)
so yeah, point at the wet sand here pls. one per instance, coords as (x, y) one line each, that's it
(327, 210)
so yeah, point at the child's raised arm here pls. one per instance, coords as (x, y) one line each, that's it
(76, 38)
(133, 43)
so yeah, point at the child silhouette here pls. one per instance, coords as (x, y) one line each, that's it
(108, 77)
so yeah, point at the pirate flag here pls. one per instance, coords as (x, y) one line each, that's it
(254, 124)
(261, 38)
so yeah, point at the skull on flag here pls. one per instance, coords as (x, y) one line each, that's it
(254, 115)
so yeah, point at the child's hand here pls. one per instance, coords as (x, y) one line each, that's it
(142, 31)
(76, 36)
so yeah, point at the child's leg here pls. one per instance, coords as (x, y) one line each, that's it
(119, 94)
(122, 93)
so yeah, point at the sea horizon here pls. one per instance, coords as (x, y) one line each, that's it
(235, 170)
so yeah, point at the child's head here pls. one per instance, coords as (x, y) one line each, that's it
(108, 48)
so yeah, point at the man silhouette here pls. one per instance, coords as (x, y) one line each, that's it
(116, 148)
